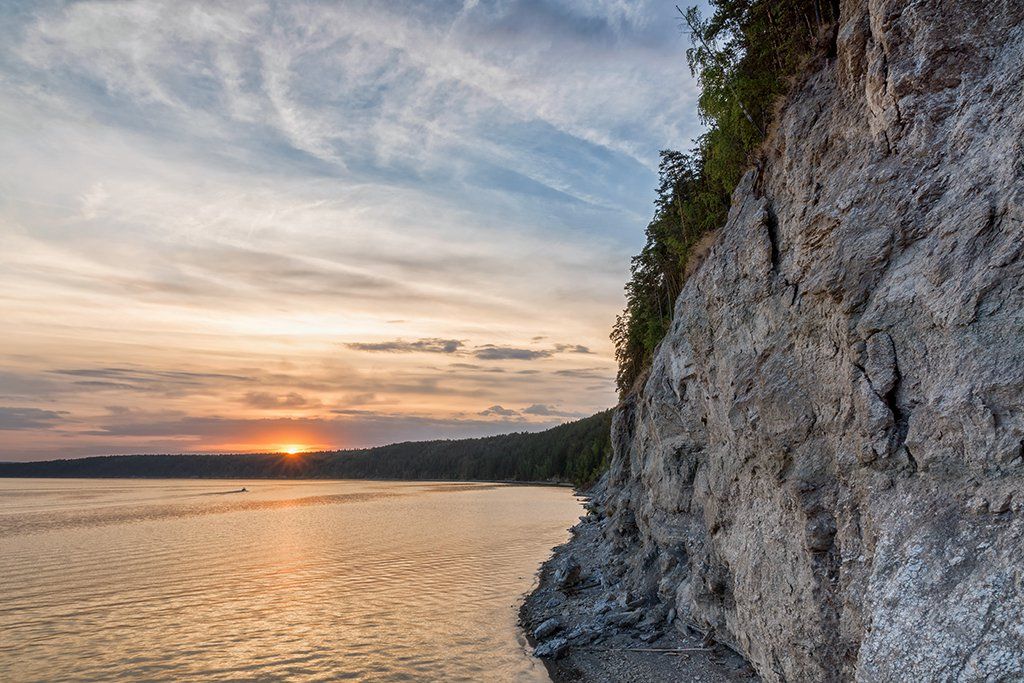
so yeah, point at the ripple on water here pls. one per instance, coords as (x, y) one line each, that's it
(293, 580)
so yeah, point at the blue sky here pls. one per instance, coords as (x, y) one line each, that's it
(239, 225)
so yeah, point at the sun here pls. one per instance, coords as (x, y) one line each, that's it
(293, 449)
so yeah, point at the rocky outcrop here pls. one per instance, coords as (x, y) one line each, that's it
(825, 468)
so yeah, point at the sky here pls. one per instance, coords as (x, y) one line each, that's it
(246, 226)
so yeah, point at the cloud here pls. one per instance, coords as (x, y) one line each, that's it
(499, 411)
(28, 418)
(254, 184)
(495, 352)
(586, 373)
(151, 381)
(544, 410)
(467, 369)
(492, 352)
(142, 375)
(351, 83)
(401, 346)
(268, 401)
(572, 348)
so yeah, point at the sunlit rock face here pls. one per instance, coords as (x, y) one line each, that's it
(826, 467)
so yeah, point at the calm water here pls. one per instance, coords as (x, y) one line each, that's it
(175, 579)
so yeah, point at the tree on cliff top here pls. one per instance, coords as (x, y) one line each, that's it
(743, 57)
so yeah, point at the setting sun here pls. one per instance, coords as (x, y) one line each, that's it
(293, 449)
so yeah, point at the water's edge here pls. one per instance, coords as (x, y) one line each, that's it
(603, 633)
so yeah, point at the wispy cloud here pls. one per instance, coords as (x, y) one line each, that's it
(584, 373)
(269, 401)
(28, 418)
(151, 381)
(202, 202)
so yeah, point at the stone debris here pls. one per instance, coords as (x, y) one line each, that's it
(1002, 506)
(607, 633)
(548, 628)
(567, 576)
(977, 504)
(552, 649)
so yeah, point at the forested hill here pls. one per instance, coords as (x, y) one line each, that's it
(573, 452)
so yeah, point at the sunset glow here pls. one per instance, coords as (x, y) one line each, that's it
(361, 223)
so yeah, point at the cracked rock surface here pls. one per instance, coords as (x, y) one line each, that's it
(825, 467)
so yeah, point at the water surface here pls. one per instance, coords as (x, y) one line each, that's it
(297, 580)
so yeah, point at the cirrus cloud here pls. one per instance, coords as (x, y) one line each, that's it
(215, 194)
(268, 401)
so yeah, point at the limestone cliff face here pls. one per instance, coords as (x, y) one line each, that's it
(826, 465)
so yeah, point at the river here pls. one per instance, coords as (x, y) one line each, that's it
(290, 580)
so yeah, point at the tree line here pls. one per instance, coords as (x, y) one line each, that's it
(575, 452)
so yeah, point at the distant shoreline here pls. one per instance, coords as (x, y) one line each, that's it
(505, 482)
(574, 453)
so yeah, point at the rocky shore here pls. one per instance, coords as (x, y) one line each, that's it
(586, 626)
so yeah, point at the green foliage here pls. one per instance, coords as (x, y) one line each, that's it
(574, 452)
(742, 57)
(682, 204)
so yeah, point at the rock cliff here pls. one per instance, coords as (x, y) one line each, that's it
(825, 467)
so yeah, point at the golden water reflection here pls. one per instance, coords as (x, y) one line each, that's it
(164, 580)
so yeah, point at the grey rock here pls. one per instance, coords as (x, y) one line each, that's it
(582, 634)
(820, 533)
(552, 649)
(1003, 504)
(567, 576)
(634, 603)
(548, 628)
(977, 504)
(624, 619)
(845, 368)
(554, 601)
